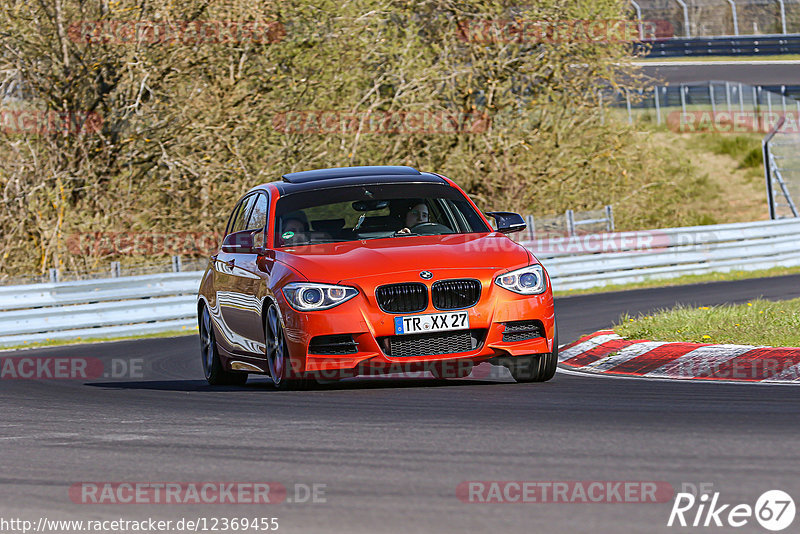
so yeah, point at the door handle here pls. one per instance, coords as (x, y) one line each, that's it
(231, 263)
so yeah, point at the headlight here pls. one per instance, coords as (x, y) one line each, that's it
(526, 281)
(306, 296)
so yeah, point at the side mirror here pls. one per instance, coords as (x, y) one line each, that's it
(508, 222)
(244, 242)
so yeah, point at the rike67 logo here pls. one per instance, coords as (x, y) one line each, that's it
(774, 510)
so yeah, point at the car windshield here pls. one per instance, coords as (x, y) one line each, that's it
(373, 212)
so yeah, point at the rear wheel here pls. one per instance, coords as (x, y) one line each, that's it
(215, 373)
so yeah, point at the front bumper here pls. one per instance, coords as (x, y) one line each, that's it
(370, 327)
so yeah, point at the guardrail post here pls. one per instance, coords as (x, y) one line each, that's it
(610, 217)
(783, 16)
(176, 264)
(728, 95)
(768, 174)
(116, 270)
(711, 97)
(755, 105)
(54, 276)
(683, 99)
(628, 105)
(570, 216)
(783, 98)
(685, 18)
(658, 107)
(639, 17)
(735, 18)
(741, 99)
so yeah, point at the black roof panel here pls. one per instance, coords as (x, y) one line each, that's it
(347, 172)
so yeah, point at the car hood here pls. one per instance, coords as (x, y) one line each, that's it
(338, 262)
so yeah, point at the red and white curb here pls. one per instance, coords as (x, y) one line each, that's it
(604, 352)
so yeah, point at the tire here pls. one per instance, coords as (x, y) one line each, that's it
(277, 354)
(215, 373)
(535, 368)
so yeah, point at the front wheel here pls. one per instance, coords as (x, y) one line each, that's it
(215, 373)
(280, 368)
(535, 368)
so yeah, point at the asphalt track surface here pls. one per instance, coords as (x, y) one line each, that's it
(392, 452)
(753, 73)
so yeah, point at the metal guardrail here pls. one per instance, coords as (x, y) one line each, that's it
(754, 45)
(86, 309)
(596, 260)
(134, 305)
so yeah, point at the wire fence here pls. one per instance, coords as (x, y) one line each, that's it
(709, 18)
(571, 223)
(732, 108)
(655, 103)
(782, 170)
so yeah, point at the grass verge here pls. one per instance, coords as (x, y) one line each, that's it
(87, 341)
(759, 322)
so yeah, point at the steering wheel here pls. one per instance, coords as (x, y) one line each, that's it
(430, 228)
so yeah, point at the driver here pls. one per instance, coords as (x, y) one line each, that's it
(417, 214)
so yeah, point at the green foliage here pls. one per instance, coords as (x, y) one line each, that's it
(744, 148)
(753, 159)
(188, 127)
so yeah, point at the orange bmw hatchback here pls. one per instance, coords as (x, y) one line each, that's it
(334, 273)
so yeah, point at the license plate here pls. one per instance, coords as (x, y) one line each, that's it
(434, 322)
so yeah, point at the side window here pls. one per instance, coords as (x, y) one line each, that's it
(232, 220)
(240, 221)
(258, 219)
